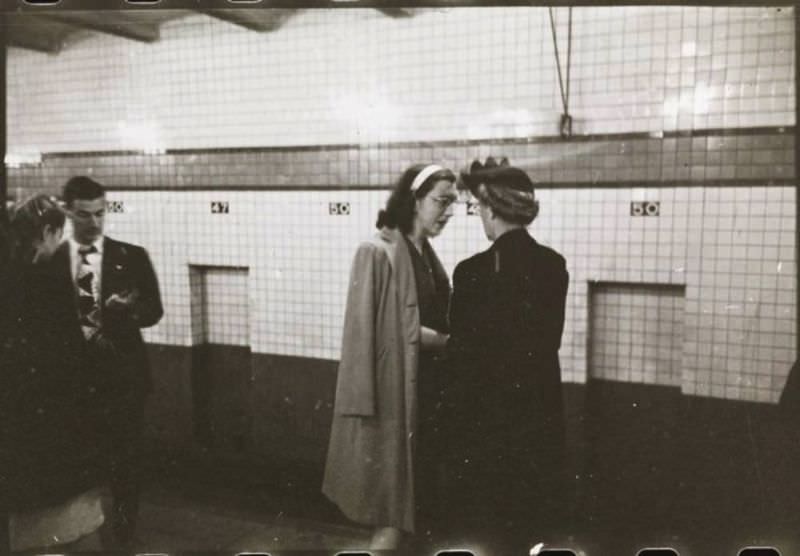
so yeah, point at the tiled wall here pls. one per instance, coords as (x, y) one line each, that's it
(733, 249)
(636, 332)
(707, 95)
(220, 311)
(357, 76)
(702, 157)
(661, 68)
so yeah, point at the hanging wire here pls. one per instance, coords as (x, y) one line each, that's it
(566, 119)
(569, 54)
(558, 60)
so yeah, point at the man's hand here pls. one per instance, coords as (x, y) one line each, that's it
(123, 300)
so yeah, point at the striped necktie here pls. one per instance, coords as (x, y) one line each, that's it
(88, 309)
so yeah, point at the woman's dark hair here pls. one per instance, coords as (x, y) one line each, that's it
(28, 222)
(399, 211)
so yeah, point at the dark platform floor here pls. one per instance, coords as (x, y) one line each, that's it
(649, 467)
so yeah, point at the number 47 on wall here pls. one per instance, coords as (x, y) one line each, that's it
(220, 207)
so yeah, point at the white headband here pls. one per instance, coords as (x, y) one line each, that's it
(424, 174)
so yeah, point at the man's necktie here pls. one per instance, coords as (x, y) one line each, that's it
(88, 309)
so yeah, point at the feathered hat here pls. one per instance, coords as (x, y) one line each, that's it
(505, 188)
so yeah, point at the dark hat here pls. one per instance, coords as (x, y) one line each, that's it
(505, 188)
(500, 174)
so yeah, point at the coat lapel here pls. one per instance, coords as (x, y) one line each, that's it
(403, 268)
(106, 276)
(112, 279)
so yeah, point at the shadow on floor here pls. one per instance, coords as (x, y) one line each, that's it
(649, 467)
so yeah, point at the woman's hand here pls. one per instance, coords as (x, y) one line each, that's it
(433, 339)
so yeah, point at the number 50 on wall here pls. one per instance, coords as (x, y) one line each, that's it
(645, 208)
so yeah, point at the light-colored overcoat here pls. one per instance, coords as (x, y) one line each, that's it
(369, 472)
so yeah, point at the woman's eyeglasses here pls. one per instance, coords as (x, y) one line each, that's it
(462, 198)
(443, 203)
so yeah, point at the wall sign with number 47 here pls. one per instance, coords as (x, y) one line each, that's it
(220, 207)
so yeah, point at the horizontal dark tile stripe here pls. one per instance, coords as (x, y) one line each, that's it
(224, 188)
(94, 154)
(754, 182)
(710, 132)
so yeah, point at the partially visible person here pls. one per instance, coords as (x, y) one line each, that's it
(381, 457)
(503, 407)
(49, 459)
(5, 243)
(115, 294)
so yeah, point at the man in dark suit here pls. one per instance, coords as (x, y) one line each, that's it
(503, 409)
(116, 295)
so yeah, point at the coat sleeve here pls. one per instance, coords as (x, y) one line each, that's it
(148, 309)
(369, 278)
(556, 302)
(458, 307)
(463, 316)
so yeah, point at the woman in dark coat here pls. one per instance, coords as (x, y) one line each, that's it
(48, 455)
(504, 414)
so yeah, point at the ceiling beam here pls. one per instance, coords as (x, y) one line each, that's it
(110, 25)
(32, 42)
(260, 21)
(395, 12)
(231, 16)
(34, 33)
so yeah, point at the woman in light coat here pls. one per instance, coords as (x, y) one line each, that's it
(395, 326)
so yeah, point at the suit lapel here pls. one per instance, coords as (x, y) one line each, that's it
(110, 257)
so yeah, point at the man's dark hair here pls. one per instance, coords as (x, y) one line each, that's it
(83, 188)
